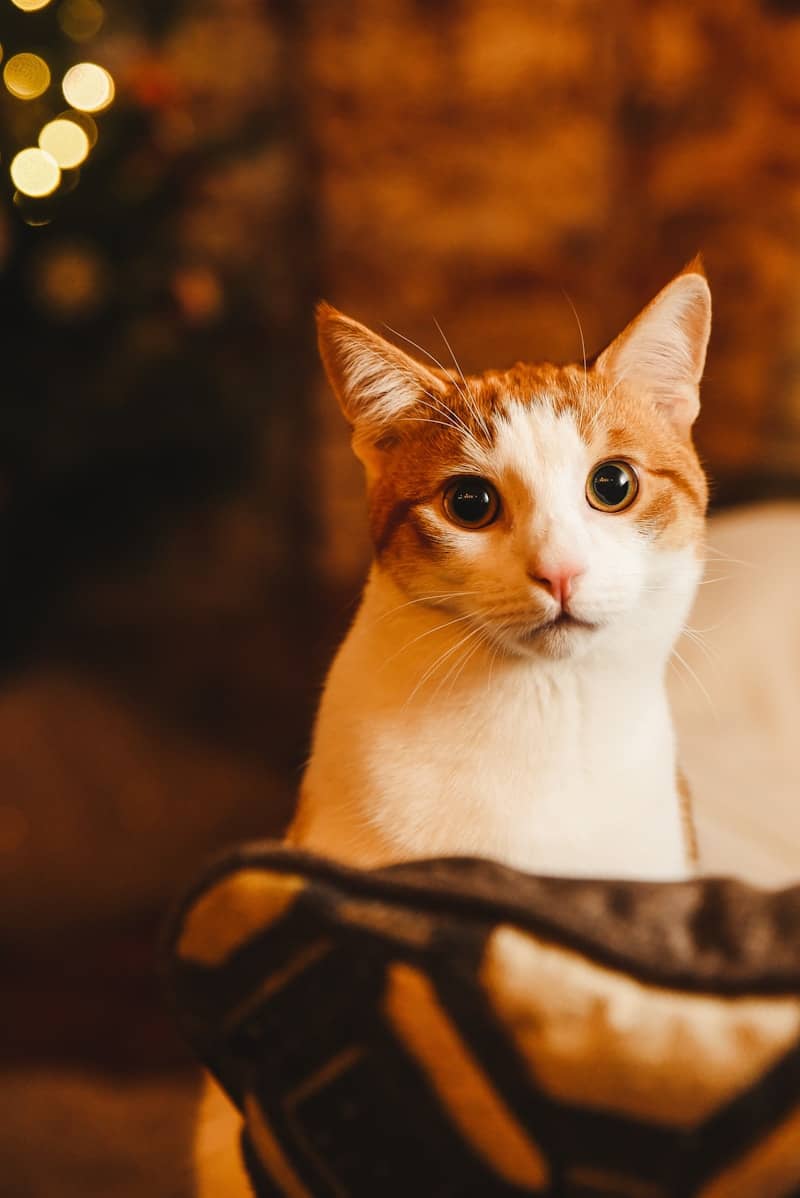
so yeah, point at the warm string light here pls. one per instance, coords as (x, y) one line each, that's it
(34, 172)
(71, 280)
(81, 19)
(27, 76)
(88, 87)
(65, 142)
(84, 121)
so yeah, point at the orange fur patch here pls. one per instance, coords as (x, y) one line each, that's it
(672, 499)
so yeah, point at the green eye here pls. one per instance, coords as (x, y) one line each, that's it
(612, 486)
(471, 502)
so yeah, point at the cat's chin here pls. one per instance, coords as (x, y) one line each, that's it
(565, 636)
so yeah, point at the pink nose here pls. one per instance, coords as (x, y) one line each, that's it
(557, 579)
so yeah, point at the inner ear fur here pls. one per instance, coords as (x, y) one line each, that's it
(661, 354)
(375, 382)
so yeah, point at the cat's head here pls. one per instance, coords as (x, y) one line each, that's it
(554, 507)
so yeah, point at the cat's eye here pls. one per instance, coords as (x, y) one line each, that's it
(471, 502)
(612, 486)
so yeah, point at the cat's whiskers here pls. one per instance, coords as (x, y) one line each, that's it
(441, 408)
(696, 637)
(714, 627)
(428, 420)
(583, 347)
(441, 659)
(608, 396)
(479, 630)
(449, 374)
(456, 670)
(719, 556)
(421, 636)
(431, 357)
(473, 404)
(476, 445)
(701, 685)
(419, 599)
(495, 648)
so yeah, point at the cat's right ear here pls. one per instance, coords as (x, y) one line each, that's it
(375, 383)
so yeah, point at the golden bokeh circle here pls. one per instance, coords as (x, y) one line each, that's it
(65, 141)
(70, 280)
(88, 87)
(83, 121)
(33, 212)
(27, 76)
(30, 5)
(34, 172)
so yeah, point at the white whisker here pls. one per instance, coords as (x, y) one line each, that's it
(443, 369)
(441, 408)
(428, 354)
(422, 635)
(473, 402)
(443, 657)
(694, 635)
(583, 346)
(719, 556)
(700, 684)
(608, 396)
(456, 670)
(422, 599)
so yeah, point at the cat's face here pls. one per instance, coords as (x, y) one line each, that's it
(556, 508)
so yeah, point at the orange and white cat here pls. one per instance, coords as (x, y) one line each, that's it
(538, 536)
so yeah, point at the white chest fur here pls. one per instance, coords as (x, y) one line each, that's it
(560, 766)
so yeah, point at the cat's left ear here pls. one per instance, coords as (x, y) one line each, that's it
(661, 354)
(376, 383)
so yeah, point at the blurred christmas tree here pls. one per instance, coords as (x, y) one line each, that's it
(156, 328)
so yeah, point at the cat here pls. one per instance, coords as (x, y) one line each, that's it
(538, 536)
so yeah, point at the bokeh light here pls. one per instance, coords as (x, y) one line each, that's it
(34, 172)
(84, 121)
(34, 213)
(30, 5)
(88, 87)
(71, 281)
(65, 141)
(26, 76)
(81, 19)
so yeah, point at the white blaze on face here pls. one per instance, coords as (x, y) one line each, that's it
(542, 463)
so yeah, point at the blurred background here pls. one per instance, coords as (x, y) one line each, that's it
(181, 530)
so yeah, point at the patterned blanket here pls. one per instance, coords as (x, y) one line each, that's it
(453, 1027)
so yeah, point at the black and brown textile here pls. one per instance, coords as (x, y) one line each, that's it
(453, 1027)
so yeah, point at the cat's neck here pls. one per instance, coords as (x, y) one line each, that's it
(428, 741)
